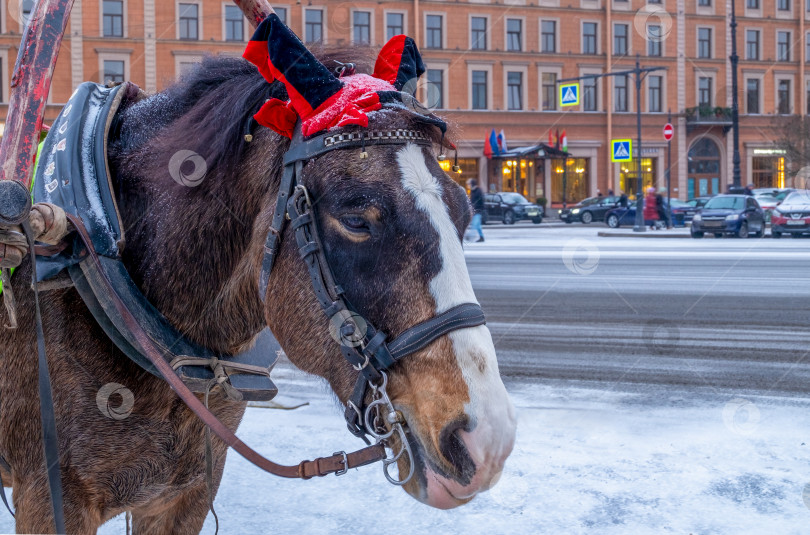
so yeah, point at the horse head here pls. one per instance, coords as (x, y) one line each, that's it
(390, 222)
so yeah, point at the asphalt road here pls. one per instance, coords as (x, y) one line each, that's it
(636, 314)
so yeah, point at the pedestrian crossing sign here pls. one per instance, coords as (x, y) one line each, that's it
(569, 94)
(622, 150)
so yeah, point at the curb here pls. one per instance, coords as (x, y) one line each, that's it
(647, 234)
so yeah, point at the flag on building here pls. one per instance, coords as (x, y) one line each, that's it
(550, 138)
(487, 148)
(502, 141)
(564, 142)
(493, 142)
(557, 139)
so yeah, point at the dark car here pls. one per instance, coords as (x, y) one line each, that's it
(589, 210)
(509, 207)
(792, 216)
(626, 215)
(738, 215)
(683, 211)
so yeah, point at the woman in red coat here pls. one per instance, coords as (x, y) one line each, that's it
(650, 209)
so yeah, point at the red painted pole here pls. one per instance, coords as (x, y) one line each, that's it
(30, 85)
(255, 10)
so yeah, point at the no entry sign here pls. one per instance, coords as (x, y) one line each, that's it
(668, 131)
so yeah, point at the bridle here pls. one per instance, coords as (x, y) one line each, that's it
(365, 347)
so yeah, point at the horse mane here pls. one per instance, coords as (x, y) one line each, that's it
(231, 89)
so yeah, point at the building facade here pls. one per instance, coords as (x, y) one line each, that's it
(495, 65)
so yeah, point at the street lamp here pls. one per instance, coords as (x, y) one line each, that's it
(735, 112)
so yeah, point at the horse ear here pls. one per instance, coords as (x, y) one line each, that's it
(399, 62)
(280, 55)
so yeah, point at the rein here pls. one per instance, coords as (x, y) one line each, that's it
(366, 348)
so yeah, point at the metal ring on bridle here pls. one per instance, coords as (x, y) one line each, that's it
(360, 367)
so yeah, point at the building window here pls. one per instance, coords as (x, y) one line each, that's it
(435, 88)
(394, 25)
(234, 24)
(549, 91)
(807, 43)
(752, 44)
(655, 86)
(704, 91)
(705, 3)
(783, 96)
(113, 16)
(752, 95)
(189, 21)
(620, 39)
(654, 39)
(479, 90)
(313, 25)
(434, 31)
(577, 183)
(807, 96)
(282, 13)
(783, 46)
(783, 5)
(361, 27)
(752, 4)
(548, 36)
(589, 37)
(514, 86)
(26, 7)
(113, 71)
(704, 42)
(589, 96)
(514, 35)
(478, 33)
(620, 93)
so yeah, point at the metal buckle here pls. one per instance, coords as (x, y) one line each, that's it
(345, 463)
(361, 367)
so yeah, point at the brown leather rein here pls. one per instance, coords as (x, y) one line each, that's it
(337, 463)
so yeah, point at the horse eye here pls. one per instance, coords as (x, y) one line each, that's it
(354, 223)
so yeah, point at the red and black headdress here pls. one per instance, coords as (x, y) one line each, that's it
(321, 99)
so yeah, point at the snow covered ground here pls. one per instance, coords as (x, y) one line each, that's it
(585, 461)
(596, 458)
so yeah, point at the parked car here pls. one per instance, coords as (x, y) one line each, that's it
(683, 211)
(767, 201)
(589, 210)
(738, 215)
(509, 207)
(792, 216)
(779, 193)
(626, 215)
(698, 202)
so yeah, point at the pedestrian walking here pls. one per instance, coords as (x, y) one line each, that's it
(663, 212)
(623, 200)
(650, 209)
(749, 189)
(477, 202)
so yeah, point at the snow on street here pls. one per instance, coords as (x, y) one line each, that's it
(585, 461)
(704, 432)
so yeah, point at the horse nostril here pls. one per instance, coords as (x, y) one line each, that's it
(455, 452)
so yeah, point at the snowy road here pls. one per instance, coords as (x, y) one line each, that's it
(660, 386)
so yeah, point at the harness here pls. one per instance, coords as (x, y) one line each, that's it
(142, 333)
(365, 347)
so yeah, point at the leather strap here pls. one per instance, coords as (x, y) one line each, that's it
(334, 464)
(50, 439)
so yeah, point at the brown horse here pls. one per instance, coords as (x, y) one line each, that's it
(392, 227)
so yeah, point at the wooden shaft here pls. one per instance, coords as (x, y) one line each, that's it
(30, 84)
(255, 10)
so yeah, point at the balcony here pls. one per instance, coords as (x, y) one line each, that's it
(707, 116)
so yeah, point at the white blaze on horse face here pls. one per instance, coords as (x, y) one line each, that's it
(490, 411)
